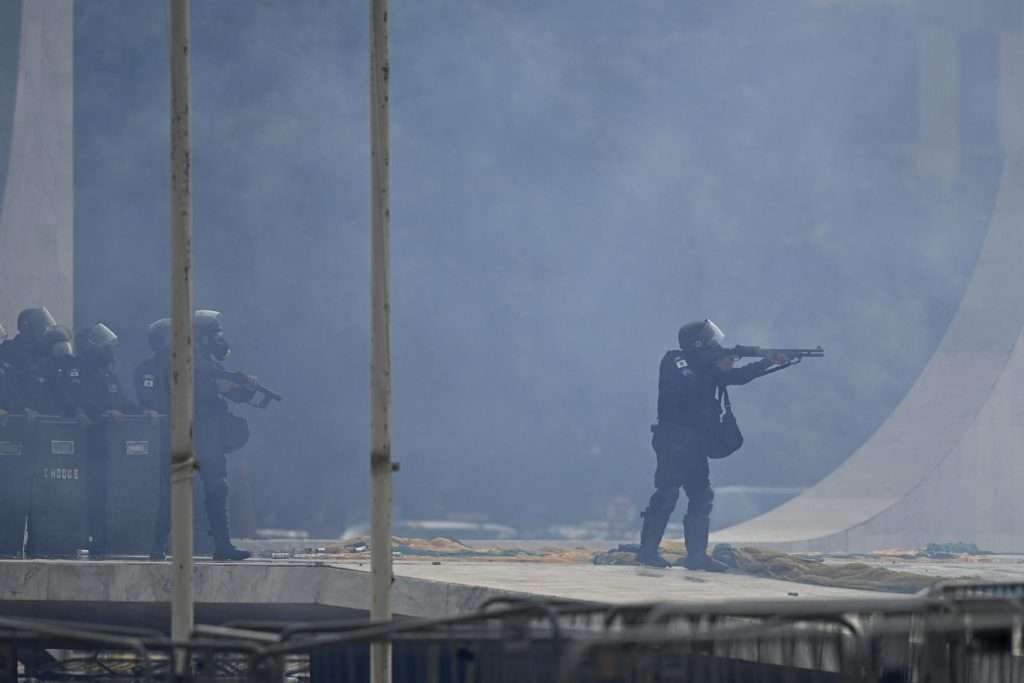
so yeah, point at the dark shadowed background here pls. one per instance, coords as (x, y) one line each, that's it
(571, 182)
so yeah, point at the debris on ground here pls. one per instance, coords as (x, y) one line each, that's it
(443, 547)
(948, 551)
(859, 571)
(810, 569)
(776, 565)
(673, 551)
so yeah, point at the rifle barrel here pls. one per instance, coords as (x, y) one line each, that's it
(767, 352)
(269, 393)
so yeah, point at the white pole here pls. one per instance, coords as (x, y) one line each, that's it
(182, 455)
(380, 367)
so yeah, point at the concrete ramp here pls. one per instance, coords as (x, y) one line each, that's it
(138, 593)
(948, 464)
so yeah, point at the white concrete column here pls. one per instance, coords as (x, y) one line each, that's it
(37, 206)
(380, 367)
(182, 397)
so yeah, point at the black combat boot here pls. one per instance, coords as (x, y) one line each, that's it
(229, 553)
(655, 522)
(695, 532)
(223, 550)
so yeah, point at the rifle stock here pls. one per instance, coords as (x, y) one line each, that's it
(240, 379)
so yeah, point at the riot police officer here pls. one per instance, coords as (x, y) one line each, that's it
(212, 421)
(153, 392)
(53, 378)
(22, 354)
(100, 392)
(152, 376)
(688, 408)
(98, 395)
(32, 324)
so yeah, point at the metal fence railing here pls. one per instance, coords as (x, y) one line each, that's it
(955, 633)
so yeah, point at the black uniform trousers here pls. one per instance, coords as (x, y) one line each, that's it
(681, 463)
(213, 474)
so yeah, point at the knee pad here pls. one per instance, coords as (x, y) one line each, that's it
(664, 501)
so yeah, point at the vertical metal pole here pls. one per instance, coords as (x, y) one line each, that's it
(380, 368)
(182, 455)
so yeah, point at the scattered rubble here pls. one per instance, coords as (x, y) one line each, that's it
(441, 547)
(805, 568)
(894, 570)
(812, 570)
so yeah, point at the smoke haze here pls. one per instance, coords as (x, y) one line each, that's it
(570, 183)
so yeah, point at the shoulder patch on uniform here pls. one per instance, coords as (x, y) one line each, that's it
(683, 366)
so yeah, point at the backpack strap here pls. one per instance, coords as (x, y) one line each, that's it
(723, 398)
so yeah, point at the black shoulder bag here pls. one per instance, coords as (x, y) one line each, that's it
(234, 432)
(726, 435)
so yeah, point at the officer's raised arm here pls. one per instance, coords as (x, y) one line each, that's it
(734, 377)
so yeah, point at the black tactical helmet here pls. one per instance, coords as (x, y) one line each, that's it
(33, 322)
(700, 336)
(210, 334)
(160, 335)
(57, 339)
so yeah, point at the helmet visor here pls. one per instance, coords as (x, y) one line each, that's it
(101, 336)
(711, 335)
(207, 320)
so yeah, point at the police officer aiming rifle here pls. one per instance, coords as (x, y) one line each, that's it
(693, 425)
(218, 431)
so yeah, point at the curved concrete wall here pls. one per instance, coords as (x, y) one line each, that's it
(10, 43)
(36, 204)
(947, 464)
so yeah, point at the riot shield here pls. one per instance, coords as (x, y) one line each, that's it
(15, 476)
(129, 450)
(57, 508)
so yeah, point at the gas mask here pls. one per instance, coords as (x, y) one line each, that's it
(219, 347)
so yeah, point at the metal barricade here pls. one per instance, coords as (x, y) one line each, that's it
(933, 639)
